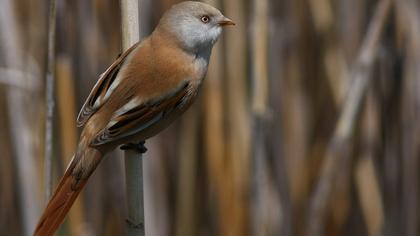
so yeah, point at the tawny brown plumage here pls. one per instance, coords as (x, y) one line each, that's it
(141, 93)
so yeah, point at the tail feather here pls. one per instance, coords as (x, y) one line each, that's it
(73, 181)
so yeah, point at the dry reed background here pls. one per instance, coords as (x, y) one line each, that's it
(308, 123)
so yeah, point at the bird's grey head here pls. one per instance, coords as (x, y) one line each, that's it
(196, 25)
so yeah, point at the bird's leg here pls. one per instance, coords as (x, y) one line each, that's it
(137, 147)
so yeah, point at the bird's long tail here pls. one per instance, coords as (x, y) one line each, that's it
(79, 170)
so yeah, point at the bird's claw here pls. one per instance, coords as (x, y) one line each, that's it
(137, 147)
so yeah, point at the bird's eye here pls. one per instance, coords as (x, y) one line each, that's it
(205, 19)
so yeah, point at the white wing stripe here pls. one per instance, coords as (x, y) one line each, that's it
(133, 103)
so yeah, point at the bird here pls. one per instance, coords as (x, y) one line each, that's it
(141, 93)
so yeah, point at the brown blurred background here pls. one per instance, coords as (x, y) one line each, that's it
(308, 122)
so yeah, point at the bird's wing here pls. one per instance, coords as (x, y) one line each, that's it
(102, 89)
(138, 115)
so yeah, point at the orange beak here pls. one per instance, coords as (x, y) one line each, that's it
(226, 22)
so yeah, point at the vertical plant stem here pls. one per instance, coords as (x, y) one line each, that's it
(49, 102)
(130, 23)
(133, 160)
(134, 188)
(347, 119)
(265, 203)
(234, 206)
(21, 130)
(66, 110)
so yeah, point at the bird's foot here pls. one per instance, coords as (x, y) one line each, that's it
(137, 147)
(132, 224)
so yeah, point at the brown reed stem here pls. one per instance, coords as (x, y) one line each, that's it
(347, 119)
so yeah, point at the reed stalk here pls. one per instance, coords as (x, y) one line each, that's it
(133, 160)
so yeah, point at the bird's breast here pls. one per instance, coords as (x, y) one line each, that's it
(200, 66)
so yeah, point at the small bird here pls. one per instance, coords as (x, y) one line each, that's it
(141, 93)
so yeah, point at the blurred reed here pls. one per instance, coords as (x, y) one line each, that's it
(307, 122)
(50, 100)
